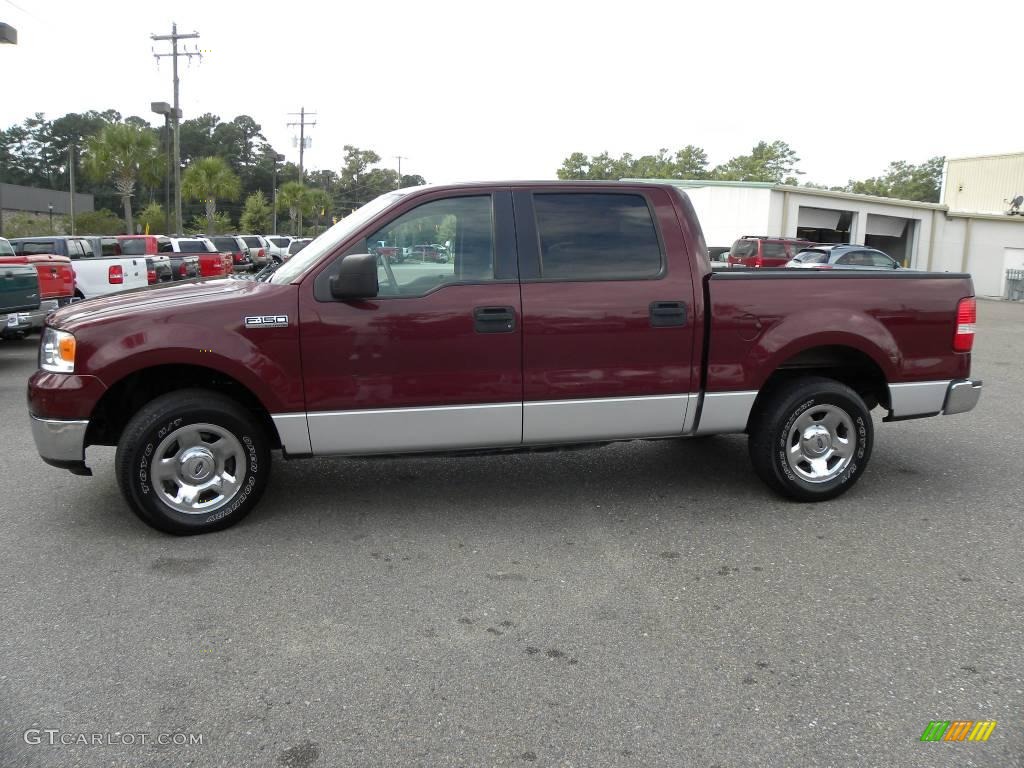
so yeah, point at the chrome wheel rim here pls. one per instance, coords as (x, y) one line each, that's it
(198, 468)
(820, 443)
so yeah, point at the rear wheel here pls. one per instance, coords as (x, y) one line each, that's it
(811, 439)
(192, 462)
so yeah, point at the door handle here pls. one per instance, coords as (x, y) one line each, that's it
(668, 313)
(494, 319)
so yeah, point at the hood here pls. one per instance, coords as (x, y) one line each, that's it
(155, 300)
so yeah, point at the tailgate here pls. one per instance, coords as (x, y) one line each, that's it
(19, 288)
(135, 272)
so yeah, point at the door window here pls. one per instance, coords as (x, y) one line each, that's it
(596, 237)
(437, 243)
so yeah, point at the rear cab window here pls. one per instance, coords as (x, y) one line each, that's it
(596, 236)
(133, 247)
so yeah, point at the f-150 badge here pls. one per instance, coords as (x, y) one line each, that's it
(267, 321)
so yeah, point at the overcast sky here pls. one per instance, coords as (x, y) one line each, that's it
(483, 90)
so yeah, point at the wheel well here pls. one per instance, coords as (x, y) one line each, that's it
(850, 366)
(124, 399)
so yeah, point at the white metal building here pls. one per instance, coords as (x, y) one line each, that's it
(921, 235)
(983, 184)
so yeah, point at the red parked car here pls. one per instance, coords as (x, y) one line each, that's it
(212, 263)
(571, 313)
(757, 251)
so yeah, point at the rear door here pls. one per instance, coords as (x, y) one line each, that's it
(435, 360)
(608, 314)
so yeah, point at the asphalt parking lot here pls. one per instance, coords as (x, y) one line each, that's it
(643, 604)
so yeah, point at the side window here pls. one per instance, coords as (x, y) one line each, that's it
(82, 247)
(164, 246)
(774, 250)
(593, 236)
(878, 259)
(443, 241)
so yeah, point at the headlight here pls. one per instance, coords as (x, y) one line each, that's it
(57, 351)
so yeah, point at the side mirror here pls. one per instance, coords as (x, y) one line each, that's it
(357, 278)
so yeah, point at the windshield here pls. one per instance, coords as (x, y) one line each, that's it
(5, 248)
(323, 244)
(224, 243)
(194, 246)
(812, 257)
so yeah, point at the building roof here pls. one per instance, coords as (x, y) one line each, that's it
(986, 157)
(697, 183)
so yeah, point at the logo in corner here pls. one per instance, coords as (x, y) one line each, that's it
(267, 321)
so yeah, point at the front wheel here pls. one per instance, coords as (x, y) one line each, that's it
(811, 439)
(192, 461)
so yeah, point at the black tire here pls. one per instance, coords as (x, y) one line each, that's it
(774, 432)
(167, 415)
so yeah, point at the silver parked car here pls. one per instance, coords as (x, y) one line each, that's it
(842, 256)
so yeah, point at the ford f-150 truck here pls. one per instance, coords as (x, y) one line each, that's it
(570, 313)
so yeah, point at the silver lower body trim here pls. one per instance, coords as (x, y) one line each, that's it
(724, 412)
(293, 431)
(60, 440)
(611, 418)
(410, 430)
(962, 396)
(919, 398)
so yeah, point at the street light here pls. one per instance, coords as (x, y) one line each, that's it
(277, 159)
(165, 109)
(51, 218)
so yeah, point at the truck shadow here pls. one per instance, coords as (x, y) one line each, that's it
(700, 478)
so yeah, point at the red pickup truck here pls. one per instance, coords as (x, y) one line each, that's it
(570, 313)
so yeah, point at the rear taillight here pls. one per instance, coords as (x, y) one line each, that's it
(262, 253)
(115, 275)
(966, 317)
(237, 258)
(151, 275)
(758, 261)
(182, 270)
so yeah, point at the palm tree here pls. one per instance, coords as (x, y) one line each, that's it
(296, 199)
(210, 179)
(127, 154)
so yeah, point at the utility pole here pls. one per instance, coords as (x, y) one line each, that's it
(400, 159)
(71, 183)
(302, 114)
(174, 37)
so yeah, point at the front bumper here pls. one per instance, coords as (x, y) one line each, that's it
(61, 443)
(961, 396)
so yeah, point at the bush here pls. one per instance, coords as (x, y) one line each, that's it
(28, 225)
(101, 222)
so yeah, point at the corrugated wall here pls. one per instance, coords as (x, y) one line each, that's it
(983, 184)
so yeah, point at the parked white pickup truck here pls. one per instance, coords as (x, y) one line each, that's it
(95, 274)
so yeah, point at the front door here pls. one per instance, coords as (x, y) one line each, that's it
(435, 360)
(608, 317)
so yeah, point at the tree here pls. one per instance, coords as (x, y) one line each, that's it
(775, 162)
(208, 180)
(905, 181)
(152, 217)
(101, 222)
(294, 198)
(359, 181)
(125, 153)
(690, 162)
(256, 214)
(221, 222)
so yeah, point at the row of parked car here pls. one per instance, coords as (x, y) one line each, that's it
(755, 251)
(40, 274)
